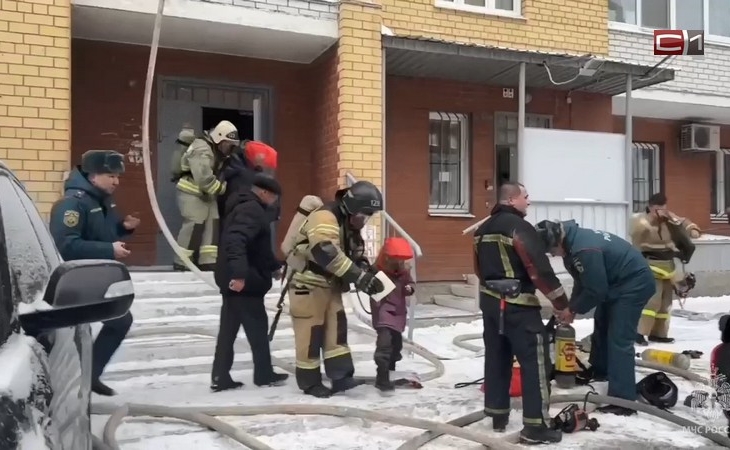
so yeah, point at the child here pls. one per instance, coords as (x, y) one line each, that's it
(389, 314)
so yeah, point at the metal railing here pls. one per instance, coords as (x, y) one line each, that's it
(392, 228)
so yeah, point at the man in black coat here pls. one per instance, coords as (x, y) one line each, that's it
(244, 270)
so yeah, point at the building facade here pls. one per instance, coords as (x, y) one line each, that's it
(418, 96)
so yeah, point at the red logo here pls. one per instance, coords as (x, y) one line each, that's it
(679, 42)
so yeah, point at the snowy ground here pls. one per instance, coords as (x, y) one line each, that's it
(174, 370)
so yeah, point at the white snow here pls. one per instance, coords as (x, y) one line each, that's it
(438, 400)
(712, 237)
(18, 372)
(37, 305)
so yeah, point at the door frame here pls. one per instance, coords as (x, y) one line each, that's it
(495, 143)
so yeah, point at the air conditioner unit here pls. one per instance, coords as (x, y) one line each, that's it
(696, 137)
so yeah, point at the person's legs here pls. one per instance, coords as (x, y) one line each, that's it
(106, 344)
(229, 324)
(256, 326)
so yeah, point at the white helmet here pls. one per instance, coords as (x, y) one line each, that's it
(225, 131)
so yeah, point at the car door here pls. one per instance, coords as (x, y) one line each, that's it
(32, 257)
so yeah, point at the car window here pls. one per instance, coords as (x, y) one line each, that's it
(32, 255)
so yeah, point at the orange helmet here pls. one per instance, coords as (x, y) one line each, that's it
(260, 154)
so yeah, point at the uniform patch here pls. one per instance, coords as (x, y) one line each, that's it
(578, 265)
(71, 218)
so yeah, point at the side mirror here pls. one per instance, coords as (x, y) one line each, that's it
(81, 292)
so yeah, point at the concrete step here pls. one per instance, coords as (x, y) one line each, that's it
(462, 303)
(164, 307)
(464, 290)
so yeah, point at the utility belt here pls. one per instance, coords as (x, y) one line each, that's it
(524, 298)
(662, 269)
(659, 255)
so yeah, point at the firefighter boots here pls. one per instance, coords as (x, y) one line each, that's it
(534, 434)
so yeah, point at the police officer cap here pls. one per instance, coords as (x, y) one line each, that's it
(267, 182)
(551, 232)
(363, 197)
(102, 162)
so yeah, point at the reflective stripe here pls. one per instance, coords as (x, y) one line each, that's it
(312, 364)
(339, 351)
(544, 383)
(184, 184)
(524, 299)
(661, 274)
(310, 279)
(502, 242)
(648, 312)
(209, 249)
(497, 411)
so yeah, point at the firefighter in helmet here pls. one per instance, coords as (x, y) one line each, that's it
(198, 188)
(334, 249)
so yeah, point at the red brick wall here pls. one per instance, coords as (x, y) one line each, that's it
(326, 107)
(447, 252)
(107, 89)
(686, 177)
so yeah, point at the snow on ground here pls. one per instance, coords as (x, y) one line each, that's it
(439, 400)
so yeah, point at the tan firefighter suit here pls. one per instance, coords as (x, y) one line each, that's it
(198, 188)
(655, 243)
(315, 299)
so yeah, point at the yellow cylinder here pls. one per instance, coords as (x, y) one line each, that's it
(667, 358)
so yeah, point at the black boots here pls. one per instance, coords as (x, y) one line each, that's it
(661, 340)
(275, 379)
(102, 389)
(319, 391)
(220, 384)
(500, 422)
(345, 384)
(540, 434)
(383, 382)
(640, 340)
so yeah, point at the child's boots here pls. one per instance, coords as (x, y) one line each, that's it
(382, 380)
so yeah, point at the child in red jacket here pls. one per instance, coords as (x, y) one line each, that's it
(390, 313)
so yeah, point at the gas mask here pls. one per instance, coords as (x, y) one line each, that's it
(357, 221)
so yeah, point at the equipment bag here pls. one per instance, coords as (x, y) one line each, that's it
(296, 261)
(183, 141)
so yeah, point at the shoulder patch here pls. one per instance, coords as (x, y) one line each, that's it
(79, 194)
(578, 265)
(70, 218)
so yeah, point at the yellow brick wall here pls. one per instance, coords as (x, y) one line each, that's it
(571, 26)
(35, 95)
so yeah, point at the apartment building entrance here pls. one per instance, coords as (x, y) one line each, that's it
(200, 106)
(505, 142)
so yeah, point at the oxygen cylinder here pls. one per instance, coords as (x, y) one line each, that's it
(667, 358)
(565, 365)
(288, 246)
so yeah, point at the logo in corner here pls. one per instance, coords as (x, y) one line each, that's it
(711, 402)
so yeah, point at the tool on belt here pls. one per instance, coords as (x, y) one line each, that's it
(574, 418)
(506, 288)
(279, 306)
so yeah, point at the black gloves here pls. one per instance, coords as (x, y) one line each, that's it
(368, 284)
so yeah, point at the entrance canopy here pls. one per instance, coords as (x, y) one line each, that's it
(427, 58)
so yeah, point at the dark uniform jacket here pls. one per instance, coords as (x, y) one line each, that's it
(245, 252)
(84, 223)
(604, 266)
(507, 246)
(239, 174)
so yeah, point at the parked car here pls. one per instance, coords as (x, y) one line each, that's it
(46, 306)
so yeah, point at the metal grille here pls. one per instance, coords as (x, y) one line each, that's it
(720, 187)
(449, 162)
(646, 171)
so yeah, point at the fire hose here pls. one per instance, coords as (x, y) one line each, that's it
(205, 416)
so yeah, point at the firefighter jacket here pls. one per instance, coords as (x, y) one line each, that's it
(335, 253)
(84, 223)
(200, 166)
(506, 246)
(604, 267)
(655, 242)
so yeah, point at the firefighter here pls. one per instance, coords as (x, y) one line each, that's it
(198, 188)
(661, 236)
(330, 240)
(612, 277)
(85, 225)
(511, 263)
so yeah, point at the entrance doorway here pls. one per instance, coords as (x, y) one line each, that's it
(505, 142)
(241, 119)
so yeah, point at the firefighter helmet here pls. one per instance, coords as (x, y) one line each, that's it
(551, 233)
(225, 131)
(362, 197)
(658, 390)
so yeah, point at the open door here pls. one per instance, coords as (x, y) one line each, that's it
(174, 114)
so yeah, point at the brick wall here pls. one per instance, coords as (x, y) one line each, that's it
(326, 111)
(574, 26)
(317, 9)
(708, 75)
(35, 94)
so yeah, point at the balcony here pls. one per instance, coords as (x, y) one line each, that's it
(283, 30)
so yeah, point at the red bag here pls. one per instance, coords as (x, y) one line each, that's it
(397, 248)
(261, 154)
(515, 386)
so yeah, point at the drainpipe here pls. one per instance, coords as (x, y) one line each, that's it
(629, 135)
(383, 222)
(521, 123)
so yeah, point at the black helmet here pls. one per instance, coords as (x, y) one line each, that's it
(658, 390)
(362, 197)
(550, 232)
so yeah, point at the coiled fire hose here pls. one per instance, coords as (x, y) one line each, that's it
(204, 416)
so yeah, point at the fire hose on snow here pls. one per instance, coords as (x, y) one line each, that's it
(205, 416)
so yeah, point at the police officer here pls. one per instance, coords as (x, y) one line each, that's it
(315, 293)
(198, 188)
(613, 277)
(511, 264)
(85, 225)
(661, 236)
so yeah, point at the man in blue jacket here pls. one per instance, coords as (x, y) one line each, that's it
(85, 225)
(613, 277)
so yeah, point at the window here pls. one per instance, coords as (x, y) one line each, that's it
(499, 7)
(505, 126)
(646, 173)
(713, 16)
(32, 256)
(449, 163)
(720, 172)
